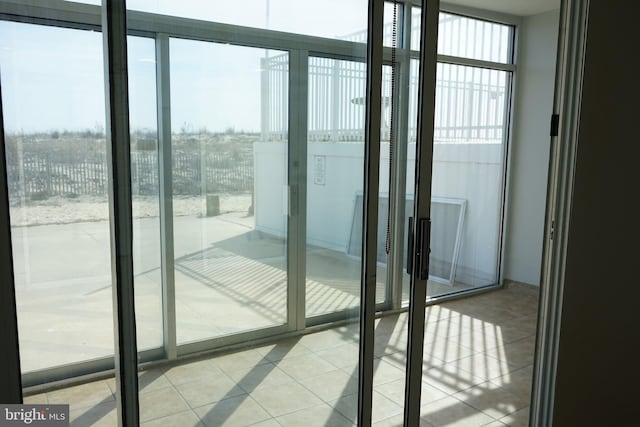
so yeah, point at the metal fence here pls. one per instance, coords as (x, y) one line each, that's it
(36, 173)
(470, 103)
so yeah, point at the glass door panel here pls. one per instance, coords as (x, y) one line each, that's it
(334, 185)
(145, 192)
(229, 166)
(462, 183)
(53, 104)
(468, 176)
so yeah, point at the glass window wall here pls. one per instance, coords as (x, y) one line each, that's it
(237, 143)
(53, 102)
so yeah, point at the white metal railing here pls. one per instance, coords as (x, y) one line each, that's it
(274, 97)
(470, 102)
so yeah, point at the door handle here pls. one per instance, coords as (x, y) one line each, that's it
(410, 253)
(424, 247)
(422, 250)
(419, 250)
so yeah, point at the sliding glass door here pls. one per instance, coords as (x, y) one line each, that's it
(244, 188)
(457, 130)
(268, 194)
(58, 188)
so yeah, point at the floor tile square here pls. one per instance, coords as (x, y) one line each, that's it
(181, 419)
(208, 390)
(284, 398)
(316, 416)
(82, 396)
(517, 419)
(98, 415)
(453, 413)
(395, 391)
(492, 400)
(191, 371)
(382, 407)
(161, 403)
(332, 385)
(267, 374)
(236, 411)
(305, 366)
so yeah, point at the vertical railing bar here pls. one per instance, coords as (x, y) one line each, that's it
(492, 28)
(265, 98)
(468, 98)
(498, 74)
(335, 94)
(503, 28)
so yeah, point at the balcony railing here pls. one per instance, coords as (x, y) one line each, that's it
(470, 102)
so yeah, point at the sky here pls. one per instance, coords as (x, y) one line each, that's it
(52, 78)
(326, 18)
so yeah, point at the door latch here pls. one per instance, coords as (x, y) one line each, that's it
(421, 250)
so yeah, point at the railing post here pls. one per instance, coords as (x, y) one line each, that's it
(265, 98)
(335, 100)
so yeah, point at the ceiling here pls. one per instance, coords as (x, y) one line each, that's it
(512, 7)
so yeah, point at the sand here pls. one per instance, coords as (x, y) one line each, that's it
(61, 210)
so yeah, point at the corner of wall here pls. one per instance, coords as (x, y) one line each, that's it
(529, 147)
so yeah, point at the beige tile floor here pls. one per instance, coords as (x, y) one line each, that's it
(478, 356)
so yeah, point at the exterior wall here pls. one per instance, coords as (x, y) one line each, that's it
(269, 188)
(530, 147)
(329, 205)
(472, 172)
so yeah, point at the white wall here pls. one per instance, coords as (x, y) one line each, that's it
(530, 147)
(472, 172)
(329, 202)
(330, 205)
(270, 191)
